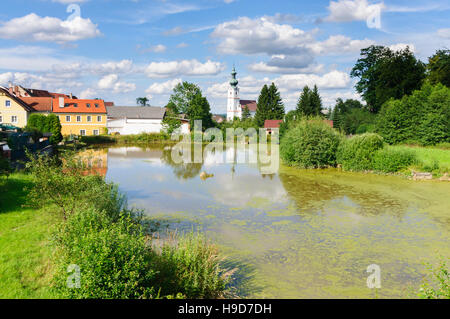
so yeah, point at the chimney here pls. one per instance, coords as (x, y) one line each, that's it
(10, 87)
(61, 102)
(71, 96)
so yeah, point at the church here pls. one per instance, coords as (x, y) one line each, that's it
(235, 105)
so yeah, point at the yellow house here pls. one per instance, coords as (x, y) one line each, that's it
(80, 117)
(13, 110)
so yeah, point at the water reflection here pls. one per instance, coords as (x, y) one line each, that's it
(303, 234)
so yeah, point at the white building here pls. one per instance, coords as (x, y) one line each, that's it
(235, 105)
(126, 120)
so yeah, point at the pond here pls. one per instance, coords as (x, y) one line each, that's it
(296, 233)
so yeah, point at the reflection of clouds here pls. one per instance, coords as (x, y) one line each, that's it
(242, 188)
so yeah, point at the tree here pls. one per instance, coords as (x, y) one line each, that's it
(55, 128)
(171, 120)
(270, 105)
(182, 95)
(316, 102)
(38, 124)
(245, 113)
(142, 101)
(199, 109)
(310, 102)
(385, 74)
(438, 68)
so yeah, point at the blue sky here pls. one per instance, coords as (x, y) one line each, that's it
(122, 49)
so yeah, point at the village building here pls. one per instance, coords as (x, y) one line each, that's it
(270, 125)
(80, 117)
(13, 111)
(235, 105)
(125, 120)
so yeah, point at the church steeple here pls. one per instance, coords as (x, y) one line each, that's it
(234, 82)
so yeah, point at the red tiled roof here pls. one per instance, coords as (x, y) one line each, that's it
(39, 104)
(79, 106)
(272, 123)
(19, 101)
(109, 104)
(251, 105)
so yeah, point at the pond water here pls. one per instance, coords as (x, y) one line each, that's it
(296, 233)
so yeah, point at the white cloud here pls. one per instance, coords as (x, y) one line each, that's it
(88, 93)
(111, 82)
(49, 29)
(263, 67)
(402, 46)
(444, 33)
(256, 36)
(338, 44)
(159, 48)
(163, 88)
(184, 67)
(182, 45)
(352, 10)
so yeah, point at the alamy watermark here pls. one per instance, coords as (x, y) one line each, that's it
(374, 279)
(74, 278)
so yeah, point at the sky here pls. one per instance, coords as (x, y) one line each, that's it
(118, 50)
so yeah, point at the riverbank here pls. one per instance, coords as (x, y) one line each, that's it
(87, 224)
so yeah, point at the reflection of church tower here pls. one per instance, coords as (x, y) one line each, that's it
(233, 105)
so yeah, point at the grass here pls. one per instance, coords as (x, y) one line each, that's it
(430, 159)
(24, 250)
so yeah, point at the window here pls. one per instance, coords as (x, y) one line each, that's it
(96, 132)
(89, 118)
(1, 119)
(99, 118)
(88, 105)
(78, 118)
(82, 132)
(67, 118)
(8, 103)
(13, 119)
(96, 105)
(66, 104)
(75, 104)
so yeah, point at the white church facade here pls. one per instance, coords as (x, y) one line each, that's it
(235, 105)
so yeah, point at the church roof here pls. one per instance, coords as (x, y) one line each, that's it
(251, 105)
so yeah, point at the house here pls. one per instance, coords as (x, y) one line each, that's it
(20, 91)
(218, 118)
(41, 105)
(13, 110)
(80, 117)
(125, 120)
(269, 125)
(235, 105)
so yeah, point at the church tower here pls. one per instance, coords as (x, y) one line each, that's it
(233, 105)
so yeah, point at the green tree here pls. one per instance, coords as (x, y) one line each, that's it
(304, 102)
(171, 120)
(316, 102)
(55, 128)
(438, 68)
(270, 105)
(142, 101)
(183, 94)
(385, 74)
(199, 109)
(245, 113)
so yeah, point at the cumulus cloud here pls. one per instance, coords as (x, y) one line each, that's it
(282, 68)
(184, 67)
(159, 48)
(402, 46)
(163, 88)
(49, 29)
(88, 93)
(338, 44)
(352, 10)
(111, 82)
(256, 36)
(46, 81)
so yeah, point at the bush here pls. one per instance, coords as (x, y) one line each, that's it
(191, 267)
(356, 153)
(437, 285)
(45, 124)
(389, 160)
(113, 257)
(365, 128)
(310, 144)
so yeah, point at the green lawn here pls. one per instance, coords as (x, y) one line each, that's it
(25, 269)
(431, 159)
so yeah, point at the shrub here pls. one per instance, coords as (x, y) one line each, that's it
(390, 160)
(310, 144)
(437, 285)
(45, 124)
(190, 266)
(365, 128)
(113, 257)
(357, 153)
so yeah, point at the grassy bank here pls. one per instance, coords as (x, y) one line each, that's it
(429, 159)
(83, 221)
(25, 268)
